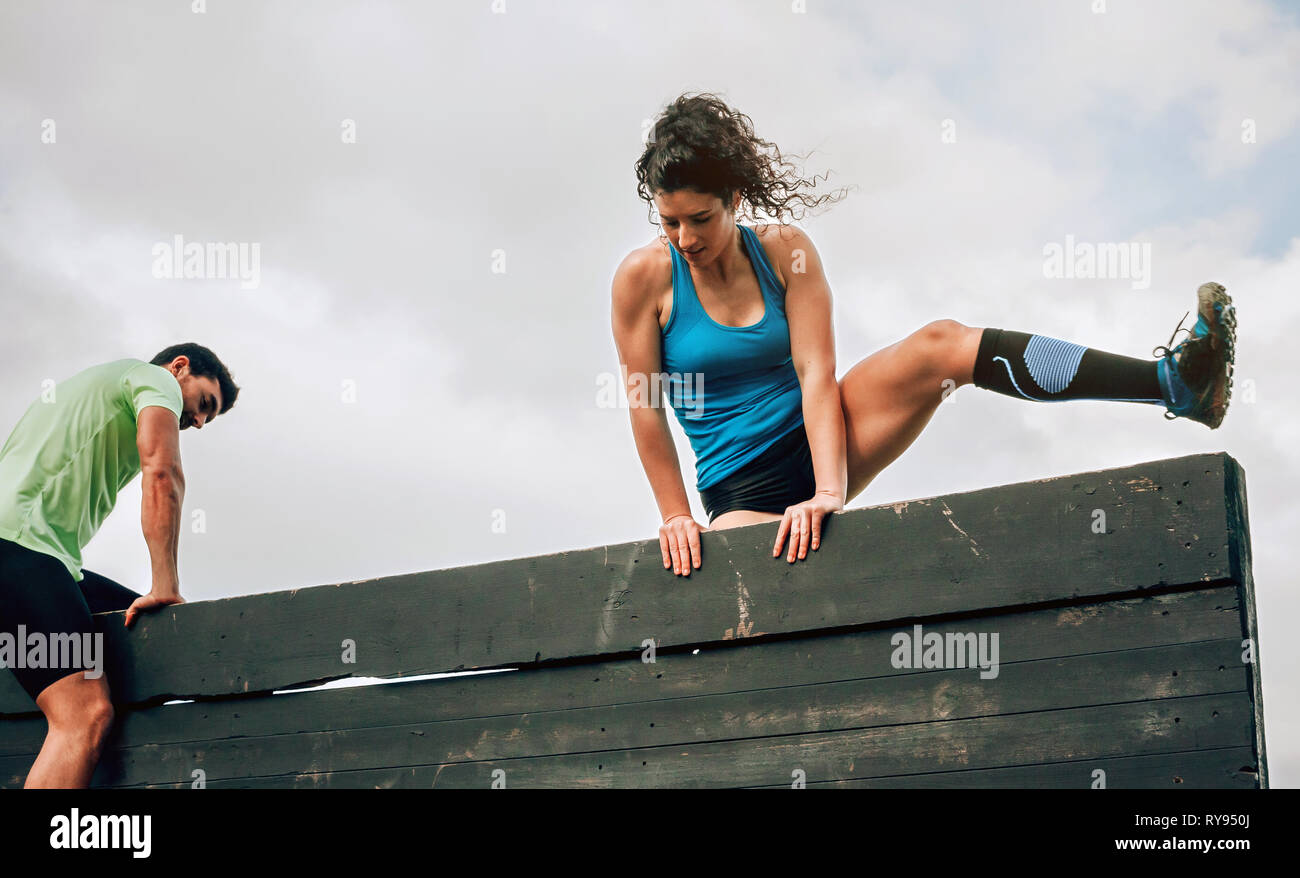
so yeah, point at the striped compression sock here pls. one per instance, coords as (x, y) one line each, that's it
(1047, 369)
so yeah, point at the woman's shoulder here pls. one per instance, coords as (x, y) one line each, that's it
(780, 241)
(644, 273)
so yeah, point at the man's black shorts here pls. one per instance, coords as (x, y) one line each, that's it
(38, 592)
(779, 477)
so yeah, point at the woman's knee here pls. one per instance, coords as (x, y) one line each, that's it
(945, 347)
(943, 332)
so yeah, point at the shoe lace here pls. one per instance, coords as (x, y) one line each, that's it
(1168, 351)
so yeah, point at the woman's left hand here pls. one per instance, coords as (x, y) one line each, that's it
(803, 523)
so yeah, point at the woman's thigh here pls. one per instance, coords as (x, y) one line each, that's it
(742, 517)
(889, 397)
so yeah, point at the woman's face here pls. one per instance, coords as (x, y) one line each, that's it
(698, 224)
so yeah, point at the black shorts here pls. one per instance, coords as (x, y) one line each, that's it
(779, 477)
(38, 592)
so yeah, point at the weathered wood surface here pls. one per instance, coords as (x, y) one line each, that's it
(1010, 546)
(1243, 576)
(1166, 646)
(893, 701)
(1058, 633)
(1172, 725)
(1228, 768)
(1119, 652)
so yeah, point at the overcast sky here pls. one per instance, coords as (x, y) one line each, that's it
(975, 134)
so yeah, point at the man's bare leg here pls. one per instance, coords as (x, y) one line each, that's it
(80, 716)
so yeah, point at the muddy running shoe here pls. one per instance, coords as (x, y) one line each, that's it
(1196, 375)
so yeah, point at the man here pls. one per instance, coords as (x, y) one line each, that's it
(60, 472)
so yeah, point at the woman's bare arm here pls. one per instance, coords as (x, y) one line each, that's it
(635, 320)
(812, 348)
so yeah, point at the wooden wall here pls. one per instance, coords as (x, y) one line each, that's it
(1119, 600)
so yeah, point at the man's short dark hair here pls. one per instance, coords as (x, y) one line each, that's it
(203, 364)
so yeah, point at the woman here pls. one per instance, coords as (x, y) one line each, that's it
(739, 319)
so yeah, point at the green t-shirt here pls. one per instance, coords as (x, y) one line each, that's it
(73, 451)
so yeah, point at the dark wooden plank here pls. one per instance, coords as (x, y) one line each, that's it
(1170, 672)
(1159, 620)
(1240, 561)
(1110, 731)
(1010, 546)
(1229, 768)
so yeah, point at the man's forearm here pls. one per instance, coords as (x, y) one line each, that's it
(160, 513)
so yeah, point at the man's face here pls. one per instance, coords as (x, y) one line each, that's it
(200, 396)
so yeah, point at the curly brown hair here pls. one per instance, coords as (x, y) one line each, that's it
(698, 142)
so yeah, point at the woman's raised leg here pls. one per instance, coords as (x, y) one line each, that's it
(889, 397)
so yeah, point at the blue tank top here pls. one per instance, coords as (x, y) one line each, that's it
(733, 389)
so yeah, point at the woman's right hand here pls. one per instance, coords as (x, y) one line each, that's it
(679, 540)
